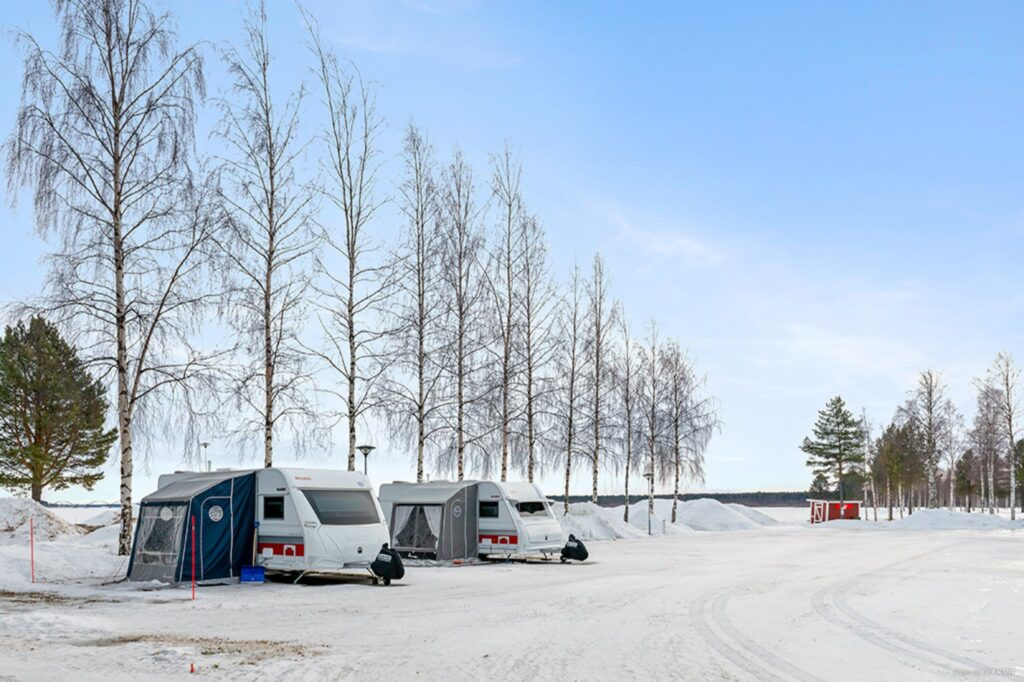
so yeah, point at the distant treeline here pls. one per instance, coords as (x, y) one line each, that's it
(756, 499)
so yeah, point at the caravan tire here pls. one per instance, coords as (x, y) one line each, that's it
(387, 581)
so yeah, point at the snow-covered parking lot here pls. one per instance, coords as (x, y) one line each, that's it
(786, 602)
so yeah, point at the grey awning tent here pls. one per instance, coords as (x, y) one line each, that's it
(436, 519)
(223, 505)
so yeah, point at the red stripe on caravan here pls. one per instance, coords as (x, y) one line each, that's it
(500, 539)
(281, 549)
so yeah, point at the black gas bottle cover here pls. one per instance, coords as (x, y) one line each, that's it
(575, 550)
(388, 565)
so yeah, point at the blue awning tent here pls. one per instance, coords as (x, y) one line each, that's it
(224, 507)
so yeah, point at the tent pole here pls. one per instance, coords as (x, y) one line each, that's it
(193, 557)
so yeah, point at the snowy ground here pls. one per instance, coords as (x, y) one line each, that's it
(782, 601)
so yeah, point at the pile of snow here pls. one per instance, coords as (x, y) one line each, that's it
(107, 517)
(708, 514)
(15, 513)
(661, 523)
(943, 519)
(760, 518)
(588, 521)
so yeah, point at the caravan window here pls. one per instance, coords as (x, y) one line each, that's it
(273, 507)
(488, 510)
(343, 507)
(532, 508)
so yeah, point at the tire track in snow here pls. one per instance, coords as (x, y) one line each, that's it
(709, 617)
(831, 604)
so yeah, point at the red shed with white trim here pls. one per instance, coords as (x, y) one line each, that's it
(831, 510)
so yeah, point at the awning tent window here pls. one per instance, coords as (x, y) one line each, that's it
(417, 533)
(160, 529)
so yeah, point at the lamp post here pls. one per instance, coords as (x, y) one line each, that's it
(650, 498)
(366, 450)
(205, 445)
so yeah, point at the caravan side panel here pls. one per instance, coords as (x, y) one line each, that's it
(282, 543)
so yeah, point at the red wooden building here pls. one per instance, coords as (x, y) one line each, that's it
(830, 510)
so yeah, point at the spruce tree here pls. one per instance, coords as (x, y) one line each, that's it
(837, 443)
(52, 413)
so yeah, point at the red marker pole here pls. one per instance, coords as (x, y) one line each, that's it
(32, 547)
(193, 557)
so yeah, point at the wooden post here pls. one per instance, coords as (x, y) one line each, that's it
(32, 548)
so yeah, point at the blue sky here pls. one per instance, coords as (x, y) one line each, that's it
(815, 198)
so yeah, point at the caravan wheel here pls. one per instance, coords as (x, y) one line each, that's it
(387, 581)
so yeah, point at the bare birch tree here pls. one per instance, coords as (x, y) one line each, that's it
(650, 391)
(504, 284)
(269, 241)
(103, 136)
(691, 419)
(601, 314)
(539, 344)
(951, 445)
(570, 374)
(356, 283)
(986, 437)
(416, 345)
(627, 386)
(1005, 377)
(926, 409)
(464, 304)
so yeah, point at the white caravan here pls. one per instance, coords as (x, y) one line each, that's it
(466, 519)
(516, 518)
(313, 520)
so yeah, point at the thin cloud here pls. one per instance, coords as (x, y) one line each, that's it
(665, 244)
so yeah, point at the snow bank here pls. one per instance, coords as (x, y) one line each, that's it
(708, 514)
(757, 517)
(660, 523)
(107, 517)
(14, 516)
(943, 519)
(588, 521)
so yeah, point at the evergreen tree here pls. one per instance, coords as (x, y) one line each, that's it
(820, 488)
(837, 446)
(52, 413)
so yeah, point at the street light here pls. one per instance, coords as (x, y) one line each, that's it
(366, 450)
(205, 445)
(649, 475)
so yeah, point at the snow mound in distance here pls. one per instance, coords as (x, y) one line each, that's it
(708, 514)
(943, 519)
(660, 520)
(757, 517)
(588, 521)
(14, 516)
(107, 517)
